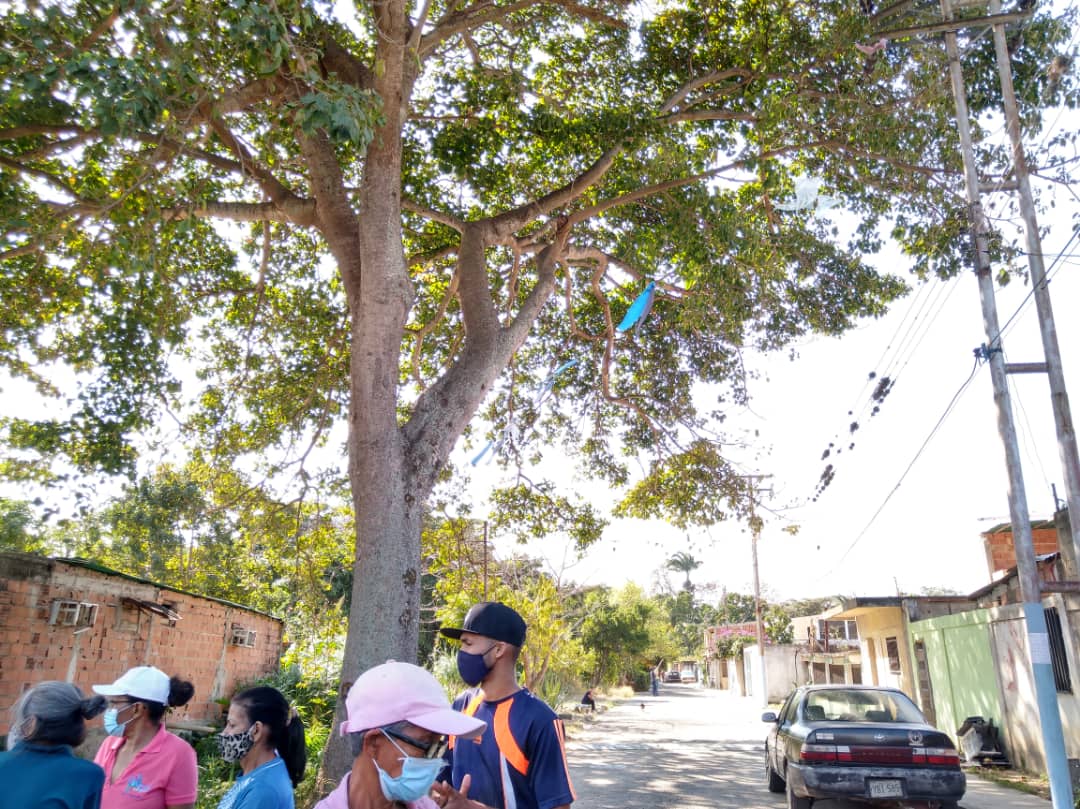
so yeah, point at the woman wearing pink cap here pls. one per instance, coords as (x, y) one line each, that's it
(146, 767)
(398, 721)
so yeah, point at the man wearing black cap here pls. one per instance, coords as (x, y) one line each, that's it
(519, 762)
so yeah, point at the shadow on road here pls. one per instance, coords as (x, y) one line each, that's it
(688, 748)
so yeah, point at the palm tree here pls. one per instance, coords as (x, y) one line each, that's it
(684, 562)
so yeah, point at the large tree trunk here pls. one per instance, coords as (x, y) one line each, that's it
(385, 609)
(392, 468)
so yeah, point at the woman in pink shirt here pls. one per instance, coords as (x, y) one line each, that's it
(146, 767)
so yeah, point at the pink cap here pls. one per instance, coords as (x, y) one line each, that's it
(395, 692)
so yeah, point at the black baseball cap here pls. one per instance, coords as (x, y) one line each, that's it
(492, 620)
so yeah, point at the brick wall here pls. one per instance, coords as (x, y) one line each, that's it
(1000, 552)
(197, 647)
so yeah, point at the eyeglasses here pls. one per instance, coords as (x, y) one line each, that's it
(120, 704)
(432, 749)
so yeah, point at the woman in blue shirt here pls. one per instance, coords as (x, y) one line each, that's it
(267, 738)
(39, 768)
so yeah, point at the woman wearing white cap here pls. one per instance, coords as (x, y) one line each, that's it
(398, 720)
(145, 765)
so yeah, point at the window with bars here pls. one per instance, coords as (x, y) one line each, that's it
(242, 636)
(73, 613)
(892, 649)
(1059, 661)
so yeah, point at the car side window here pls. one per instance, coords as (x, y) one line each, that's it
(782, 712)
(788, 715)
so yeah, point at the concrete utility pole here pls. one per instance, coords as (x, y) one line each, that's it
(1027, 571)
(1059, 399)
(755, 535)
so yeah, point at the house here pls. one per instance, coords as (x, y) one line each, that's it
(74, 620)
(976, 663)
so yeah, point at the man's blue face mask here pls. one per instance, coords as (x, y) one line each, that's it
(472, 667)
(416, 779)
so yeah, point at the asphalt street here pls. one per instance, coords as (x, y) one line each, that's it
(697, 748)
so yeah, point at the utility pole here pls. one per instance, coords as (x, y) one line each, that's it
(755, 532)
(1059, 399)
(1027, 572)
(755, 535)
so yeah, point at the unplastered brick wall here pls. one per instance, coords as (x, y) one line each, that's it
(1001, 553)
(64, 620)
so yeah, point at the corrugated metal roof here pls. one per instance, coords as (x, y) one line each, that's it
(108, 571)
(1006, 527)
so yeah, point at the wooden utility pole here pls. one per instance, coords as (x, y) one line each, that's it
(1027, 572)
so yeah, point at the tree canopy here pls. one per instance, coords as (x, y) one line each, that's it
(260, 220)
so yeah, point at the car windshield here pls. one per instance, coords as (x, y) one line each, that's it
(859, 705)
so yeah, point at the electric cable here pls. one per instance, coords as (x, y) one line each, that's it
(1047, 276)
(911, 464)
(1027, 435)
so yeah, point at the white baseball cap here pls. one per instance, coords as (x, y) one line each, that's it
(141, 682)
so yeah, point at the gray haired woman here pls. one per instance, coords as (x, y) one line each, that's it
(38, 769)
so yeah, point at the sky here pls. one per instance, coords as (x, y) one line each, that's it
(898, 516)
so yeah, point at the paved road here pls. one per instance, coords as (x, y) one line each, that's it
(696, 748)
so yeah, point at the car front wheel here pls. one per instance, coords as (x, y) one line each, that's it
(796, 802)
(775, 782)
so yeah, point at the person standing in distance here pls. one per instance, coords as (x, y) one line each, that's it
(519, 762)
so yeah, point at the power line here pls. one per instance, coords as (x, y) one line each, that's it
(903, 476)
(1028, 435)
(1031, 292)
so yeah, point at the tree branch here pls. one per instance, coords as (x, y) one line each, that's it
(345, 65)
(441, 217)
(513, 220)
(270, 185)
(482, 12)
(477, 307)
(294, 212)
(702, 81)
(340, 226)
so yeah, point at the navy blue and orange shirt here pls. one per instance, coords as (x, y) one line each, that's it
(519, 762)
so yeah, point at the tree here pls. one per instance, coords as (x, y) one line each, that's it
(684, 563)
(616, 630)
(736, 608)
(777, 623)
(440, 209)
(19, 528)
(808, 606)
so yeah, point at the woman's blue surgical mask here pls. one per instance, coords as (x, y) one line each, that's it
(112, 726)
(416, 779)
(472, 667)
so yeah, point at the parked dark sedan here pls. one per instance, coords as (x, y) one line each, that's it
(859, 742)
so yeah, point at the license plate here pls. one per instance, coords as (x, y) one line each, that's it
(886, 788)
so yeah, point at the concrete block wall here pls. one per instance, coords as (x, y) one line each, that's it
(197, 647)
